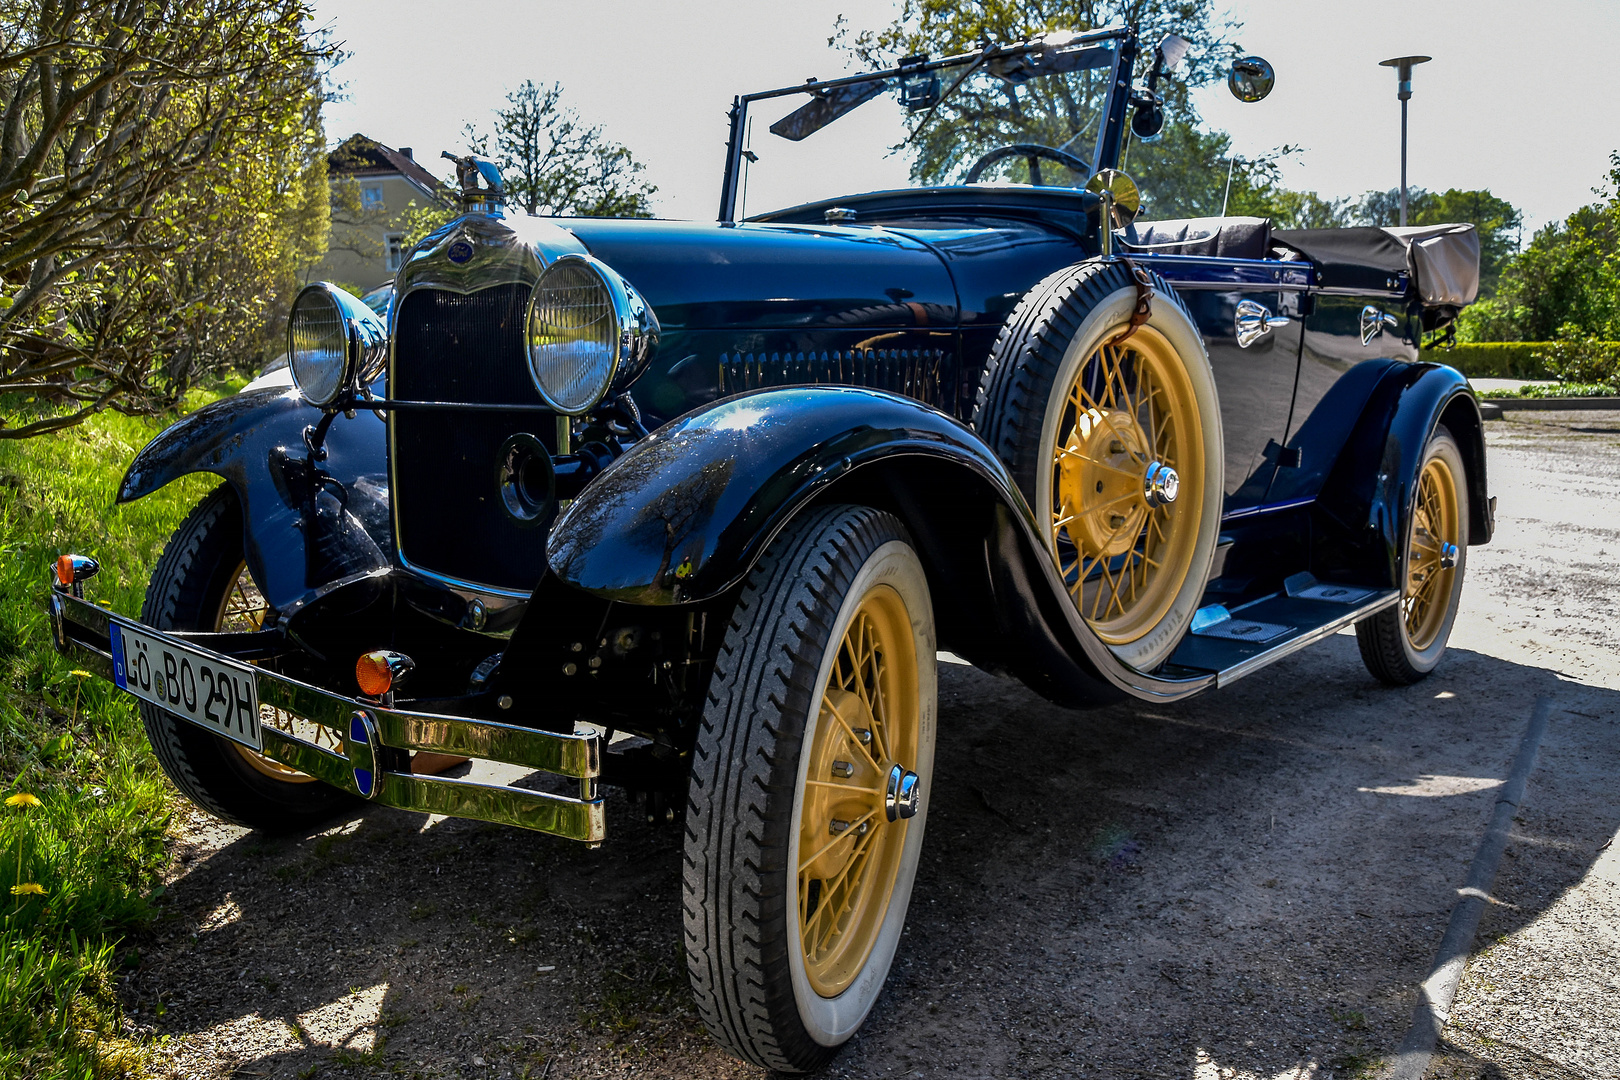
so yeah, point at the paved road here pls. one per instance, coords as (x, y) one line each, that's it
(1247, 885)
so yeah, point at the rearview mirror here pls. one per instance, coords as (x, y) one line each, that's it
(1250, 79)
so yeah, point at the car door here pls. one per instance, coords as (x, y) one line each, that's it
(1255, 380)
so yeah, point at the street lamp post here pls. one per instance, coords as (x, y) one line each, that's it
(1403, 66)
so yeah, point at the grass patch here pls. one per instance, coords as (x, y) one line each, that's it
(93, 845)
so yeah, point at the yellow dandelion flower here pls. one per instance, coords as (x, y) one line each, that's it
(28, 888)
(81, 673)
(22, 798)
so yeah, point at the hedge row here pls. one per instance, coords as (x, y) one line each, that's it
(1504, 359)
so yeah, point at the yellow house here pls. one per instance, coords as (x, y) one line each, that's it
(372, 187)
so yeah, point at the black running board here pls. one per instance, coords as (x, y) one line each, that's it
(1239, 641)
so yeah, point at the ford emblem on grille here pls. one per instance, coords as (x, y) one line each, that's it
(460, 252)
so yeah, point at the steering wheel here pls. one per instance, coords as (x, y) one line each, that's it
(1033, 152)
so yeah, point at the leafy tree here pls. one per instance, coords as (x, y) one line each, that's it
(1565, 285)
(161, 184)
(984, 114)
(554, 163)
(416, 222)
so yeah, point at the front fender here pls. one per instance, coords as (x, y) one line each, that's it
(306, 525)
(686, 513)
(1370, 491)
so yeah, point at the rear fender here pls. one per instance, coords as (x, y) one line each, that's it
(685, 515)
(1373, 505)
(308, 526)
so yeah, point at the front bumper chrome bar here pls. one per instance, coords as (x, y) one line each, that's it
(82, 630)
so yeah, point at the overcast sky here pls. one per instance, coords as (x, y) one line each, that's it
(1523, 99)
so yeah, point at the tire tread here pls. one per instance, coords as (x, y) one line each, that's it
(744, 769)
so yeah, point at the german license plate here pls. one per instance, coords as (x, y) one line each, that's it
(222, 697)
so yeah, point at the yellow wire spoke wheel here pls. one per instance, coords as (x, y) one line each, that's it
(1431, 566)
(1114, 438)
(1403, 643)
(243, 610)
(808, 796)
(1129, 440)
(849, 846)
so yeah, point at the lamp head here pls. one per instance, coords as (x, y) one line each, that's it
(1403, 66)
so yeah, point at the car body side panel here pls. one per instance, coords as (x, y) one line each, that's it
(306, 526)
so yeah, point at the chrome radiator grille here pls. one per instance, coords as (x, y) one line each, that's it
(466, 350)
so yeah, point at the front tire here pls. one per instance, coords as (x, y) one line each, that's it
(818, 737)
(1402, 644)
(201, 582)
(1087, 422)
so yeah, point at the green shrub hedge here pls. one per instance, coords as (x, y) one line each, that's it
(1508, 359)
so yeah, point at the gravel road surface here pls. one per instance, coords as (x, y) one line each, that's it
(1250, 884)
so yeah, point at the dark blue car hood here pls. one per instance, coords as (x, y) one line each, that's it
(712, 276)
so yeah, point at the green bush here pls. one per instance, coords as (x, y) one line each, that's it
(1575, 359)
(1568, 361)
(1494, 360)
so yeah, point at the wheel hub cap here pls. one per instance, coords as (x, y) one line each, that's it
(1160, 484)
(901, 794)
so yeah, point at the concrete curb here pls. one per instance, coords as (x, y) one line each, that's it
(1439, 990)
(1568, 404)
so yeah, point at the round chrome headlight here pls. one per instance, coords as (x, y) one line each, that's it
(334, 343)
(588, 331)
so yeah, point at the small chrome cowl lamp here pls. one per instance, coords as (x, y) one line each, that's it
(335, 345)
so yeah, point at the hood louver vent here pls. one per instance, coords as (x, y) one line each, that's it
(912, 372)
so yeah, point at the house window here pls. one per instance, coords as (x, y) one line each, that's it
(371, 197)
(396, 250)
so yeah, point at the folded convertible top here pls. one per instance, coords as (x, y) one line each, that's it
(1442, 259)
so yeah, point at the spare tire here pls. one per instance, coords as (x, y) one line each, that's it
(1114, 437)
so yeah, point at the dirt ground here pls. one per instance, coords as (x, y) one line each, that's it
(1250, 884)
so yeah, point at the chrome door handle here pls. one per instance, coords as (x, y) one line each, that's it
(1254, 321)
(1374, 321)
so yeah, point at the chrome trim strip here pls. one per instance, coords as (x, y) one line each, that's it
(476, 589)
(1268, 508)
(1259, 660)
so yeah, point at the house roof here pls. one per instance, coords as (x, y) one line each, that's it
(359, 155)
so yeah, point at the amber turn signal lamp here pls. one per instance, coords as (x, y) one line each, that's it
(72, 569)
(378, 671)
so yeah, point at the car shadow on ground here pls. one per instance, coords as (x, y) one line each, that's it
(1248, 883)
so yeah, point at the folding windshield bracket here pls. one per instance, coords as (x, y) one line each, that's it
(734, 149)
(1119, 100)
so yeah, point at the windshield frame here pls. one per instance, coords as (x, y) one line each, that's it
(1109, 135)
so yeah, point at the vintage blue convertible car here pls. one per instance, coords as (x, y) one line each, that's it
(689, 508)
